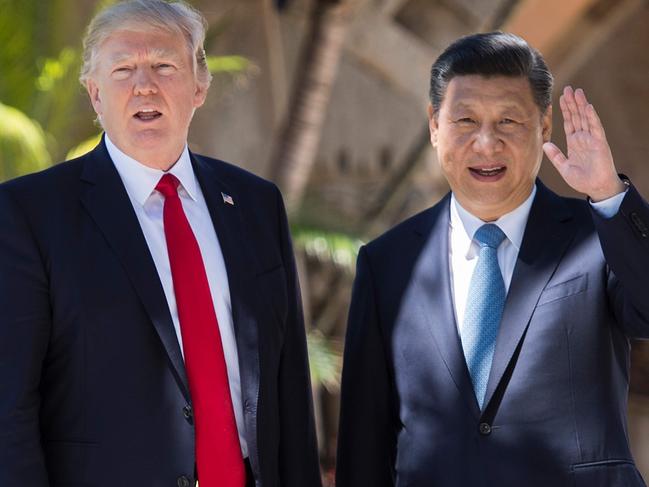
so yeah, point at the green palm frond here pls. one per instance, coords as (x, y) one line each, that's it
(19, 35)
(335, 247)
(84, 147)
(228, 64)
(22, 144)
(325, 360)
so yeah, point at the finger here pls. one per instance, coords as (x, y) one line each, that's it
(571, 104)
(555, 155)
(596, 127)
(582, 103)
(568, 126)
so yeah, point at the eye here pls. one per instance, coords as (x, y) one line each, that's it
(165, 68)
(465, 121)
(508, 121)
(121, 72)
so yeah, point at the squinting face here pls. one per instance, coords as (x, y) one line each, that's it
(144, 89)
(489, 135)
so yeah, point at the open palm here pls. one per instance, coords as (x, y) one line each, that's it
(589, 166)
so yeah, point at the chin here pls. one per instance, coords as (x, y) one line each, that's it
(487, 197)
(150, 138)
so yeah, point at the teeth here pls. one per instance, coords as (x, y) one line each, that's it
(147, 114)
(489, 171)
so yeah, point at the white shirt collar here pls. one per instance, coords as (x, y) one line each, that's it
(140, 180)
(464, 224)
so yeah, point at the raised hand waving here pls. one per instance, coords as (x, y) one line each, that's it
(588, 167)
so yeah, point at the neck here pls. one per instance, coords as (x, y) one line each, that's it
(488, 212)
(157, 158)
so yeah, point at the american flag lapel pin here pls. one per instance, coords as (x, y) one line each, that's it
(227, 199)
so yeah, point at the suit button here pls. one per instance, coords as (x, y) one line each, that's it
(188, 413)
(183, 481)
(485, 429)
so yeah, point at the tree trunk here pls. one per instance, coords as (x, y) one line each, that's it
(296, 147)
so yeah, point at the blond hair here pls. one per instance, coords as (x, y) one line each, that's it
(139, 15)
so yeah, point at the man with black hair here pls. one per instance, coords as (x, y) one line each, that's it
(488, 336)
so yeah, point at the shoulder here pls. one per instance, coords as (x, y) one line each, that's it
(235, 176)
(414, 229)
(51, 183)
(257, 198)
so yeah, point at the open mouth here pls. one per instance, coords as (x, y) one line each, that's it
(491, 172)
(147, 114)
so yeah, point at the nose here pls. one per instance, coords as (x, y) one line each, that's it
(487, 140)
(144, 83)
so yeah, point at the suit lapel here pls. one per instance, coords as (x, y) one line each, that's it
(437, 301)
(546, 238)
(241, 266)
(106, 200)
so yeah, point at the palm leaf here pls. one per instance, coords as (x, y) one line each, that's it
(84, 147)
(22, 144)
(325, 361)
(228, 64)
(336, 248)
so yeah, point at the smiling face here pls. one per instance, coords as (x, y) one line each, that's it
(489, 134)
(144, 89)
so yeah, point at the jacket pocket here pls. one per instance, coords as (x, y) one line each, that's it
(607, 473)
(564, 289)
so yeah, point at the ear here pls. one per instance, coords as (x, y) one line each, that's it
(546, 122)
(93, 93)
(200, 94)
(432, 125)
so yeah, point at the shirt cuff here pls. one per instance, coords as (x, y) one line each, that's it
(608, 208)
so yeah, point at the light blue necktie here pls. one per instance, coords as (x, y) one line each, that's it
(484, 309)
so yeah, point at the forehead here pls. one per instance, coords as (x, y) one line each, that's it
(127, 43)
(488, 92)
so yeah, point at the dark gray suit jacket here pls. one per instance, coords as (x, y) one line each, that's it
(93, 389)
(556, 400)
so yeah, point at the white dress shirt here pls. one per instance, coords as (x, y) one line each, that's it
(463, 250)
(140, 182)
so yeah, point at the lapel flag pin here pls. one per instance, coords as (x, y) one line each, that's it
(227, 199)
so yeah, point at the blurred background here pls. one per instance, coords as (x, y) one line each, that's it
(328, 99)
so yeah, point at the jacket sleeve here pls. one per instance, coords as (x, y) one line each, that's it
(298, 463)
(625, 243)
(368, 420)
(25, 320)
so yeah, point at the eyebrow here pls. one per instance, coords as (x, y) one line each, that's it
(506, 105)
(154, 53)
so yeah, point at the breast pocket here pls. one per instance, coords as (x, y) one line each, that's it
(564, 289)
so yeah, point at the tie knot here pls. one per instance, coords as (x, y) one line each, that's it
(168, 185)
(489, 235)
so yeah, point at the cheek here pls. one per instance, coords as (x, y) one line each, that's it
(528, 156)
(115, 97)
(454, 151)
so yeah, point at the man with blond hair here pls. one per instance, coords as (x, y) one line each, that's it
(151, 330)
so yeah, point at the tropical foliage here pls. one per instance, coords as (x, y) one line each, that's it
(45, 115)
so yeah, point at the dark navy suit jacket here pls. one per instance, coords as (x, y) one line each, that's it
(93, 389)
(556, 400)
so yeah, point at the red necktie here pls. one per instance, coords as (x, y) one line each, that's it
(218, 453)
